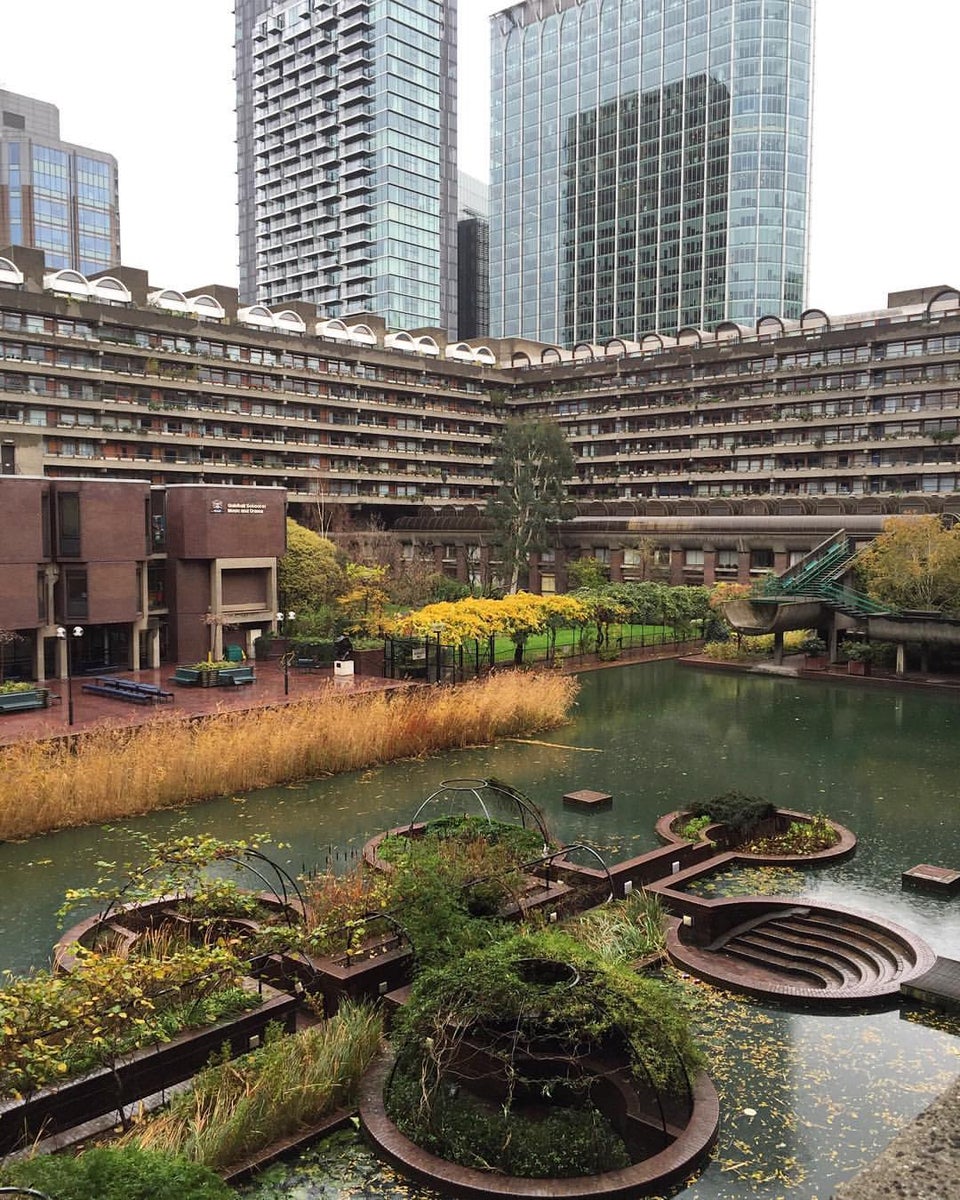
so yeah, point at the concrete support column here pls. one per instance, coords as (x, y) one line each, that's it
(616, 566)
(709, 567)
(62, 648)
(743, 567)
(462, 575)
(38, 658)
(833, 641)
(781, 561)
(155, 649)
(135, 646)
(676, 565)
(901, 658)
(778, 647)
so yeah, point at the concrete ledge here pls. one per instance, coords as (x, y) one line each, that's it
(921, 1163)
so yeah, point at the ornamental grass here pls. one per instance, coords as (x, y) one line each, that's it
(109, 773)
(237, 1108)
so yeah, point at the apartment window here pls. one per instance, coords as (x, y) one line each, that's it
(693, 558)
(761, 560)
(68, 524)
(728, 559)
(75, 593)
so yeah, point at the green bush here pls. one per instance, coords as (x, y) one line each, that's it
(117, 1174)
(529, 1000)
(741, 814)
(7, 689)
(693, 829)
(558, 1143)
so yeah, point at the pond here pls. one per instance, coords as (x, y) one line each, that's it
(825, 1093)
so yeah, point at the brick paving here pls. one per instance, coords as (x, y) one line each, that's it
(90, 711)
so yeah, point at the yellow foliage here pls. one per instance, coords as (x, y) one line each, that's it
(478, 619)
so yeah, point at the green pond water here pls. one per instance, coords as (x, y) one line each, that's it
(825, 1092)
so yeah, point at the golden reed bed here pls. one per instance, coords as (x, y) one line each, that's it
(109, 773)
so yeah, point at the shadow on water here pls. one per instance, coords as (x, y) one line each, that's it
(826, 1093)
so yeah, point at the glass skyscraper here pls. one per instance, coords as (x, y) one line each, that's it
(346, 120)
(650, 165)
(55, 196)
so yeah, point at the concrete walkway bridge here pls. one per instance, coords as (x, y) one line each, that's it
(815, 593)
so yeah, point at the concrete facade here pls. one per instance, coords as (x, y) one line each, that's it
(699, 458)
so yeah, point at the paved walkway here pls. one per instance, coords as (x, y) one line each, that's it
(90, 711)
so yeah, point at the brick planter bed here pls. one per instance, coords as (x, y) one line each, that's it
(651, 1176)
(844, 848)
(138, 1074)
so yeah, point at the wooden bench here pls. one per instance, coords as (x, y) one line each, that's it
(127, 689)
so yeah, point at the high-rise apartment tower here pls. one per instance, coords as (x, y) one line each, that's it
(650, 165)
(55, 196)
(346, 134)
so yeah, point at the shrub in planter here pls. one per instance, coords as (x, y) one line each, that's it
(860, 652)
(488, 1049)
(11, 689)
(117, 1174)
(743, 815)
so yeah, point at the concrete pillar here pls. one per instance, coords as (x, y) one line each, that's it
(901, 658)
(616, 566)
(676, 565)
(135, 647)
(38, 658)
(778, 647)
(781, 561)
(709, 567)
(833, 641)
(743, 567)
(155, 649)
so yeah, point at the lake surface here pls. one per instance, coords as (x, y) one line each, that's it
(827, 1092)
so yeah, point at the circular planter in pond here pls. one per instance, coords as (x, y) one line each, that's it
(687, 1148)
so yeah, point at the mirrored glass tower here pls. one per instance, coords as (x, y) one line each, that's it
(346, 141)
(55, 196)
(650, 165)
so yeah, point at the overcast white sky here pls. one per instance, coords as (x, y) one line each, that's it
(150, 81)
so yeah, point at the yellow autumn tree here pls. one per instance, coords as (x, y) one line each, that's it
(914, 563)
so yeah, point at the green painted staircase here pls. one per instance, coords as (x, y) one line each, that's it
(815, 577)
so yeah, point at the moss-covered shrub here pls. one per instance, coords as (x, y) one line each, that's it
(531, 1009)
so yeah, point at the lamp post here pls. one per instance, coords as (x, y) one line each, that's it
(284, 620)
(76, 632)
(437, 628)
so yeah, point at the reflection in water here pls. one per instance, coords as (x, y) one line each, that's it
(826, 1092)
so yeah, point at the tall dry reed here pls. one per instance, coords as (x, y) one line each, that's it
(109, 774)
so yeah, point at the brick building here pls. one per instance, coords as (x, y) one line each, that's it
(699, 456)
(148, 573)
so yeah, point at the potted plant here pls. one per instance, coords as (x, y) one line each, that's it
(859, 657)
(814, 649)
(15, 697)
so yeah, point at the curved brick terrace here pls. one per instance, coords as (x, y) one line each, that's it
(802, 954)
(645, 1178)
